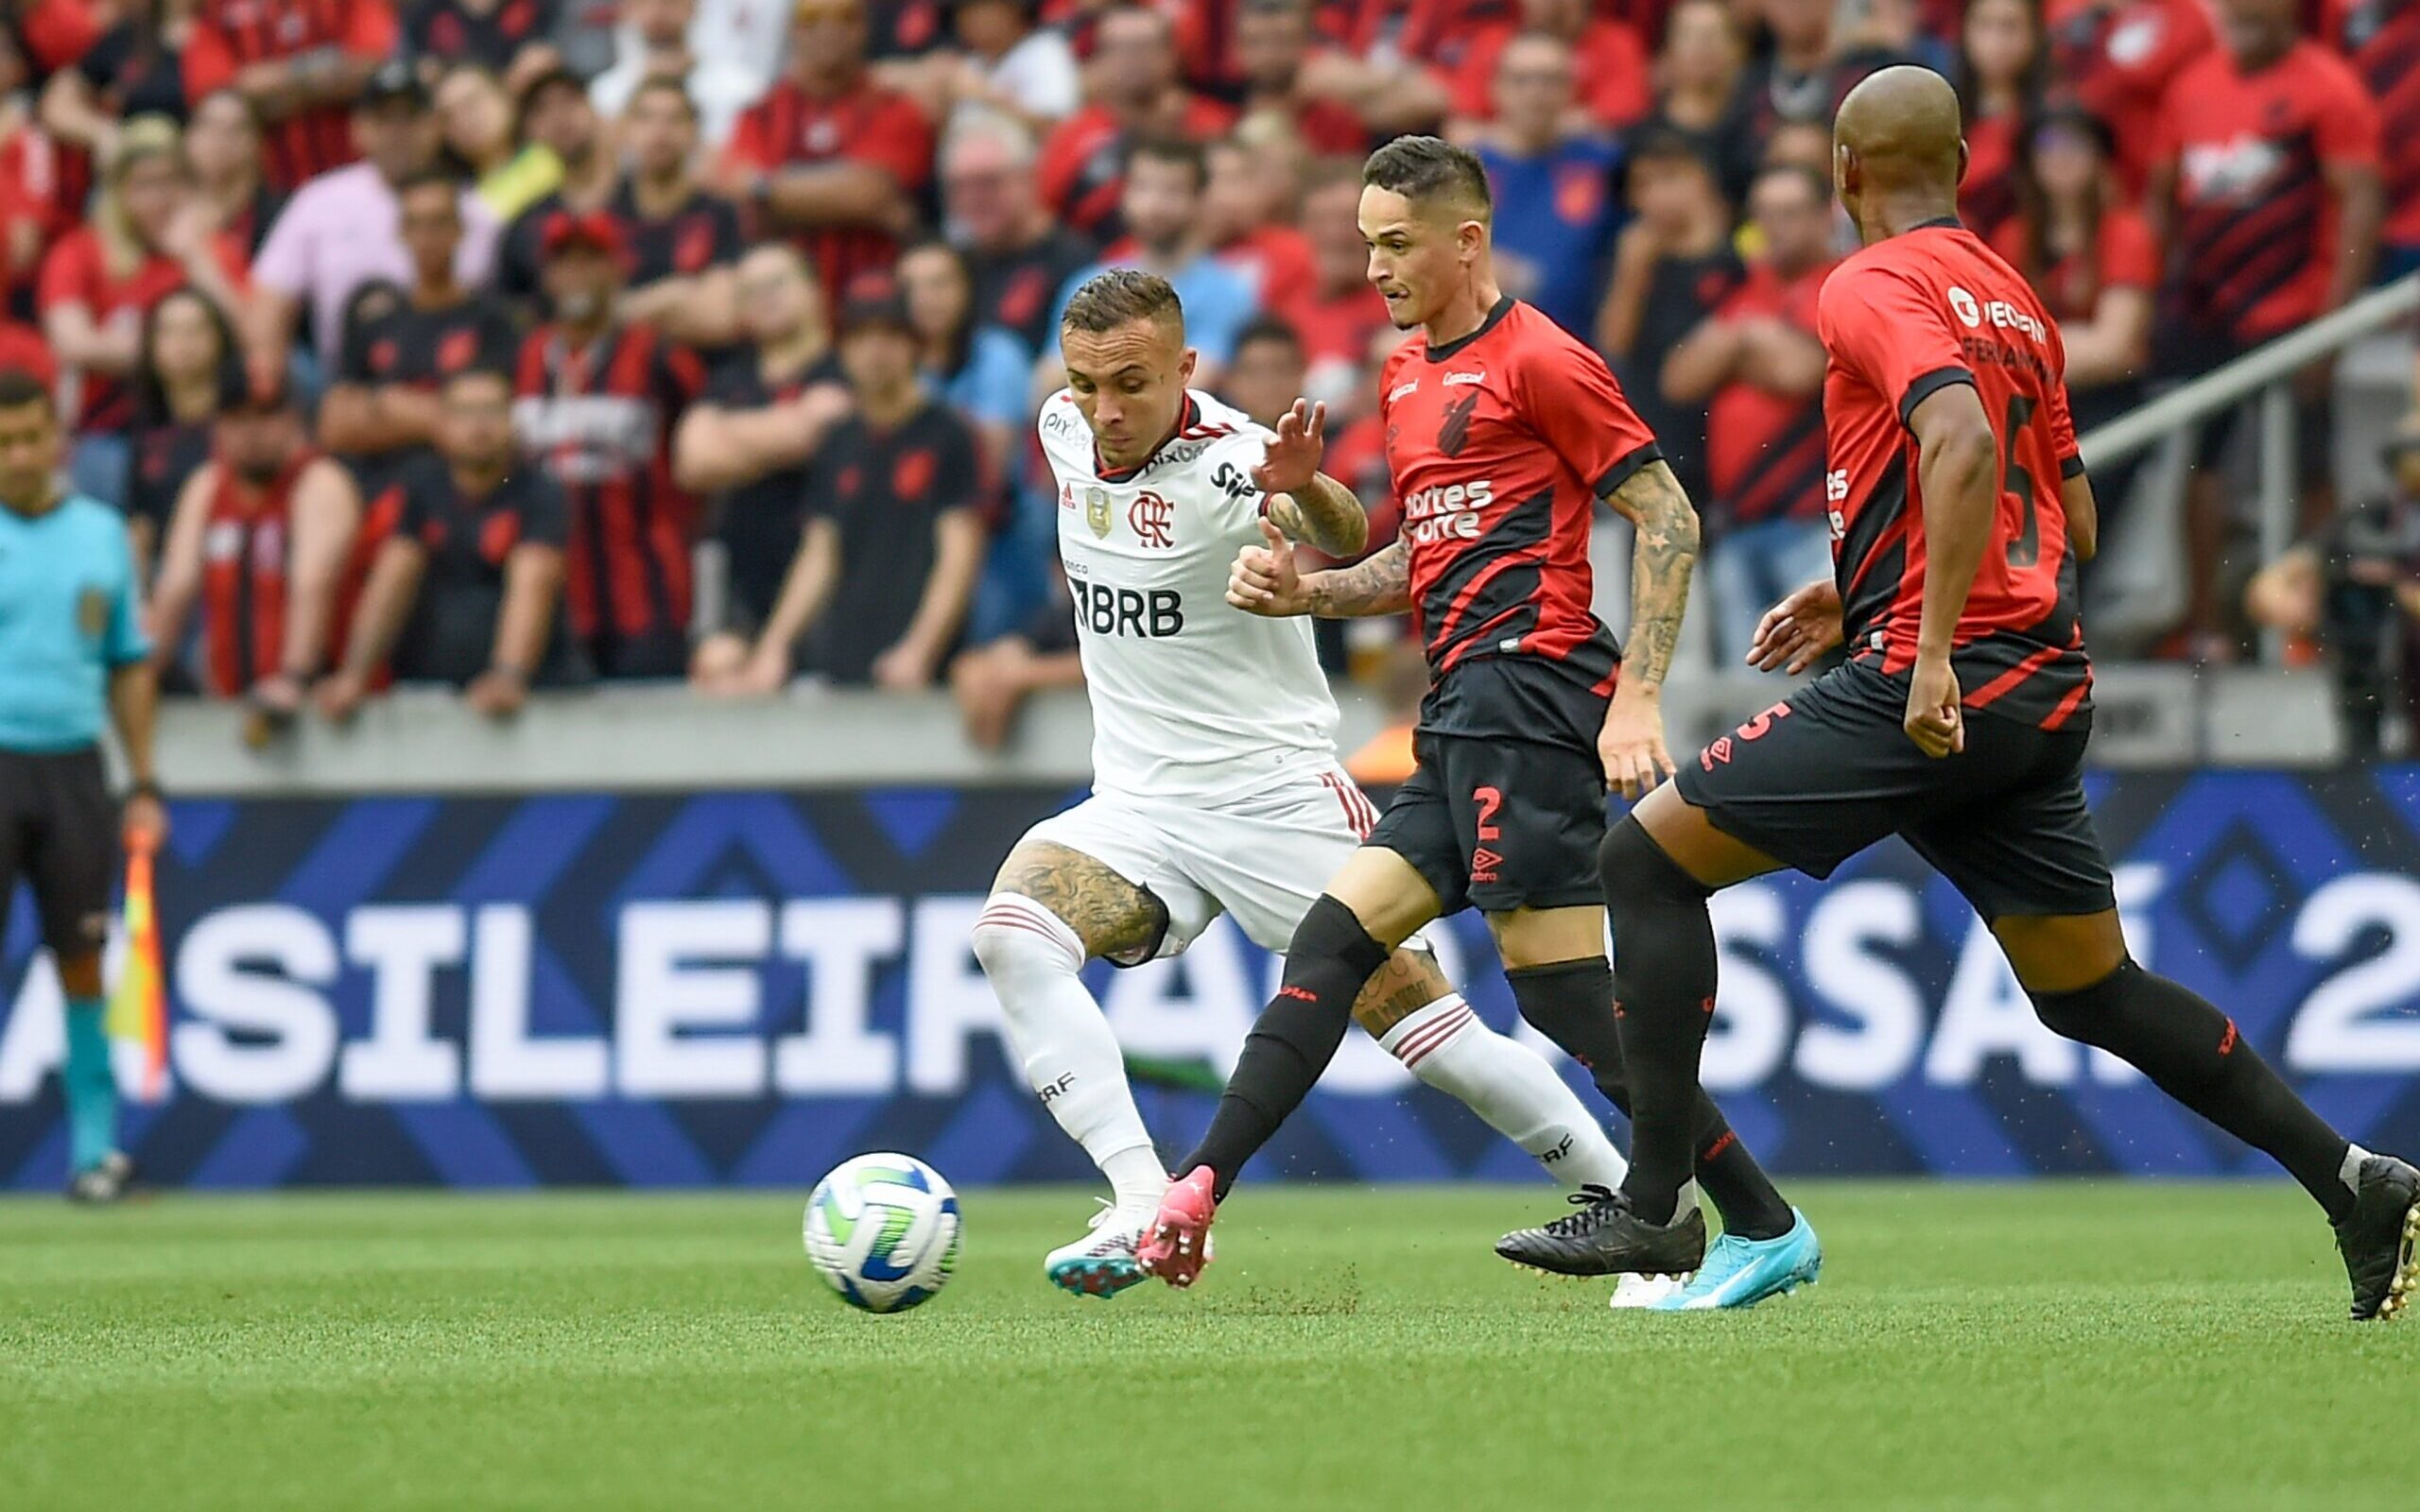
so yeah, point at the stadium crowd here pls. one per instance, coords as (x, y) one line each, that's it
(515, 343)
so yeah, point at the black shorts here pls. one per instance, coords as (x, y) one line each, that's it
(59, 831)
(1497, 824)
(1814, 780)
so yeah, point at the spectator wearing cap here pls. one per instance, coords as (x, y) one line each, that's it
(189, 368)
(1249, 219)
(2120, 57)
(263, 546)
(464, 591)
(488, 34)
(893, 540)
(1273, 42)
(1700, 69)
(1608, 62)
(2004, 64)
(149, 236)
(1757, 367)
(828, 155)
(1335, 313)
(345, 227)
(301, 64)
(1552, 173)
(600, 402)
(557, 116)
(993, 210)
(223, 150)
(1673, 264)
(684, 238)
(384, 405)
(659, 40)
(1161, 209)
(748, 443)
(2382, 42)
(1137, 91)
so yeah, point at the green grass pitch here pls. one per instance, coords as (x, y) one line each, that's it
(2050, 1345)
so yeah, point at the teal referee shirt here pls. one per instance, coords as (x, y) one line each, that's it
(69, 616)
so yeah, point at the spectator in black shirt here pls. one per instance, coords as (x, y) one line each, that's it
(1021, 255)
(465, 590)
(893, 539)
(131, 69)
(224, 149)
(555, 115)
(490, 33)
(1673, 265)
(683, 240)
(748, 439)
(384, 402)
(189, 367)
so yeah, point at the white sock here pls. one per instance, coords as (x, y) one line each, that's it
(2350, 1172)
(1506, 1084)
(1058, 1034)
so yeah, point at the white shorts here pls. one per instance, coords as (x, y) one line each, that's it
(1263, 859)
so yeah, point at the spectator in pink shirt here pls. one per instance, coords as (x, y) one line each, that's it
(344, 229)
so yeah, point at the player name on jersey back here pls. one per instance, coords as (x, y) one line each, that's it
(1191, 698)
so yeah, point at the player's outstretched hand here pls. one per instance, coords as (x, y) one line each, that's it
(1632, 746)
(1935, 722)
(1265, 580)
(1293, 458)
(1797, 632)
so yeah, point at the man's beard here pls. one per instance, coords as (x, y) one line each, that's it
(259, 472)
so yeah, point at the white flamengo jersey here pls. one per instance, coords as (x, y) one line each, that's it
(1192, 698)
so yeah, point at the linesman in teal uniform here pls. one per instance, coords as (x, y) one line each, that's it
(73, 657)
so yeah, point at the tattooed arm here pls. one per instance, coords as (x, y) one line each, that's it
(1631, 744)
(1264, 581)
(1323, 514)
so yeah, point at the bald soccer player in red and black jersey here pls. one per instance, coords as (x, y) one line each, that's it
(1502, 434)
(1959, 720)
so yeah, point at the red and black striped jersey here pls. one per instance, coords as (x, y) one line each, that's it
(245, 584)
(1500, 444)
(2382, 40)
(600, 419)
(2254, 244)
(870, 126)
(230, 35)
(1764, 455)
(1901, 320)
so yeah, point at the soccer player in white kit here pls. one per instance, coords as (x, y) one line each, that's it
(1215, 785)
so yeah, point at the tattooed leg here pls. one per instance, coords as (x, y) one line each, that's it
(1050, 909)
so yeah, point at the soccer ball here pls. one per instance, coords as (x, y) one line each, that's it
(882, 1231)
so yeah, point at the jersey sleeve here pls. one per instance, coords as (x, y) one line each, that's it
(2344, 123)
(1572, 400)
(2129, 257)
(546, 514)
(960, 476)
(1879, 325)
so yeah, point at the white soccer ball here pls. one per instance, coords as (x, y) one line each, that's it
(882, 1231)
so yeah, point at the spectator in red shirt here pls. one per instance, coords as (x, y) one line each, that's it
(148, 237)
(1701, 70)
(2267, 192)
(2381, 38)
(2118, 58)
(1136, 93)
(1334, 312)
(1250, 218)
(301, 64)
(1273, 40)
(2003, 59)
(1609, 66)
(829, 156)
(1021, 255)
(1757, 366)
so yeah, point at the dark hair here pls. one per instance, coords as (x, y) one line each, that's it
(440, 174)
(672, 84)
(553, 79)
(2034, 202)
(1110, 299)
(151, 389)
(2030, 84)
(19, 388)
(1269, 327)
(1425, 168)
(959, 344)
(1169, 149)
(1819, 185)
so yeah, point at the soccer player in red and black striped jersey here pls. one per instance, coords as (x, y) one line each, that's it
(1503, 431)
(1959, 721)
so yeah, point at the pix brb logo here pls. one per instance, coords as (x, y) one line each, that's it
(1969, 313)
(1151, 516)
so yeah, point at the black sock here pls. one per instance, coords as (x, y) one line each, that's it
(1663, 981)
(1292, 1041)
(2192, 1052)
(1570, 1003)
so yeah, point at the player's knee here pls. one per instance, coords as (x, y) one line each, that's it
(2086, 1013)
(1637, 874)
(1016, 936)
(1331, 946)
